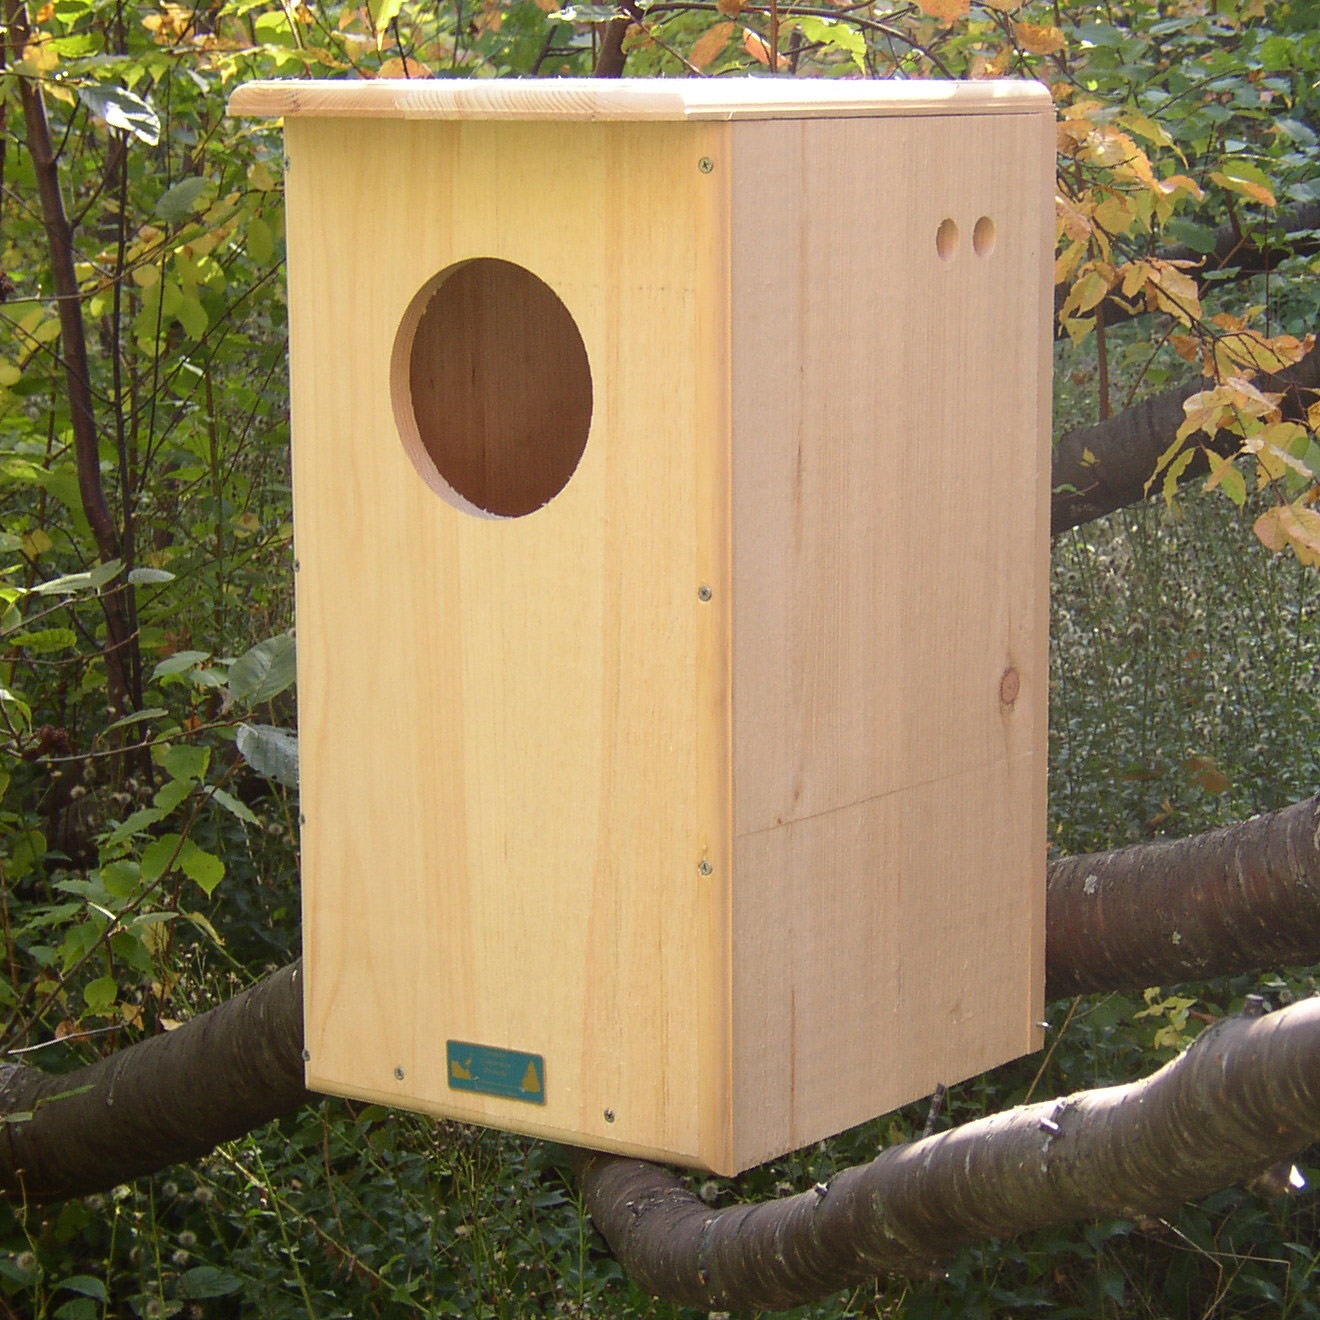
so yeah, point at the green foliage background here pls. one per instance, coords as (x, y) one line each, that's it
(148, 831)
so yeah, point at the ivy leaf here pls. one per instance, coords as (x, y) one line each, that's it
(123, 110)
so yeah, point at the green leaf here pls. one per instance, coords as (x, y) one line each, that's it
(260, 241)
(207, 1281)
(168, 796)
(137, 717)
(193, 318)
(182, 200)
(139, 821)
(187, 762)
(159, 855)
(264, 672)
(234, 806)
(120, 878)
(141, 577)
(44, 641)
(205, 868)
(85, 1284)
(123, 110)
(271, 752)
(78, 1308)
(101, 994)
(68, 584)
(178, 663)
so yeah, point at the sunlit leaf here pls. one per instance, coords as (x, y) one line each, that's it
(123, 110)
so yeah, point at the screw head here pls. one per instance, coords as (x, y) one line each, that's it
(398, 1073)
(705, 164)
(704, 592)
(705, 868)
(609, 1116)
(307, 1056)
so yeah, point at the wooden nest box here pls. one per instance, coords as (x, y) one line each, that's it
(671, 492)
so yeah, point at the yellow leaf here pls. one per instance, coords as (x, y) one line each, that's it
(1247, 187)
(41, 54)
(1313, 416)
(947, 11)
(1067, 262)
(1291, 526)
(755, 45)
(1039, 40)
(1116, 214)
(1186, 347)
(1145, 127)
(729, 8)
(1073, 219)
(407, 67)
(1172, 290)
(711, 44)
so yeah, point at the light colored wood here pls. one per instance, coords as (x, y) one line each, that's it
(512, 755)
(717, 778)
(889, 469)
(631, 98)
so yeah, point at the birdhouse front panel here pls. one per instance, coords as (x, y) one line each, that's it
(670, 494)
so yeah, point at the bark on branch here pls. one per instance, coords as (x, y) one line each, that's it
(1244, 1097)
(1236, 899)
(1254, 250)
(1104, 467)
(168, 1099)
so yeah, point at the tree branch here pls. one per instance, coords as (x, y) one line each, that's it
(1245, 1096)
(1236, 899)
(167, 1099)
(1235, 249)
(1123, 450)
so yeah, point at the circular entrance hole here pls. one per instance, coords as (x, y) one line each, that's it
(983, 236)
(491, 388)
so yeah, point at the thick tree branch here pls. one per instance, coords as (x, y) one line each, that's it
(170, 1098)
(1236, 899)
(1246, 252)
(1104, 467)
(1244, 1097)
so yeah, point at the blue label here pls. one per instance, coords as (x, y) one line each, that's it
(509, 1074)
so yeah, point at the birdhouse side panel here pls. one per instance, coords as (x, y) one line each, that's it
(514, 732)
(889, 654)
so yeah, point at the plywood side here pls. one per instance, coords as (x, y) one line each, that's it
(630, 98)
(889, 622)
(513, 740)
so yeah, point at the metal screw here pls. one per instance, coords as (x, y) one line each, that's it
(398, 1073)
(609, 1116)
(705, 868)
(307, 1056)
(297, 564)
(705, 164)
(704, 592)
(302, 820)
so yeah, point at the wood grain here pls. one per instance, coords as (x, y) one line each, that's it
(631, 99)
(505, 720)
(678, 775)
(889, 474)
